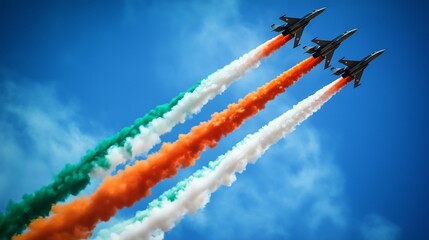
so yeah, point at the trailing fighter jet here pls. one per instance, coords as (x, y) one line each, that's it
(295, 26)
(355, 68)
(326, 48)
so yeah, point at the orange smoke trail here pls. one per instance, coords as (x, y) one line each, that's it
(275, 44)
(77, 219)
(342, 82)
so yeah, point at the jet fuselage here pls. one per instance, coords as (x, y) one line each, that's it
(334, 44)
(303, 22)
(361, 65)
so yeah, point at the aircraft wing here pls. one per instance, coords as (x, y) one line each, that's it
(298, 35)
(321, 43)
(358, 76)
(328, 59)
(348, 63)
(289, 19)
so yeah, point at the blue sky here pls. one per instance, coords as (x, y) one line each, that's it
(73, 72)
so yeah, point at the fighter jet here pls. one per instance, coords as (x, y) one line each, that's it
(326, 48)
(295, 26)
(355, 68)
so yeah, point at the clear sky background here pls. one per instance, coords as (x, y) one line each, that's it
(74, 72)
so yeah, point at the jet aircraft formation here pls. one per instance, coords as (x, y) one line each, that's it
(41, 216)
(325, 48)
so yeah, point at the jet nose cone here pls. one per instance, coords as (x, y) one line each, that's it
(350, 32)
(380, 52)
(353, 30)
(318, 11)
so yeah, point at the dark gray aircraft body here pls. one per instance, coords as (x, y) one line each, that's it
(355, 68)
(326, 48)
(295, 26)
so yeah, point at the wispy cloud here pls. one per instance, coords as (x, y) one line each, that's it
(39, 134)
(375, 227)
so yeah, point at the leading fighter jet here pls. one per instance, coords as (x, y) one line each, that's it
(295, 26)
(326, 48)
(355, 68)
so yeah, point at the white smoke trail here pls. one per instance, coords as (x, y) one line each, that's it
(194, 193)
(191, 103)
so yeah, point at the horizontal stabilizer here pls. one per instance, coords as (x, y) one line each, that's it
(337, 71)
(310, 50)
(277, 28)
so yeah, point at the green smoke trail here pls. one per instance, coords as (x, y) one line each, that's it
(73, 177)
